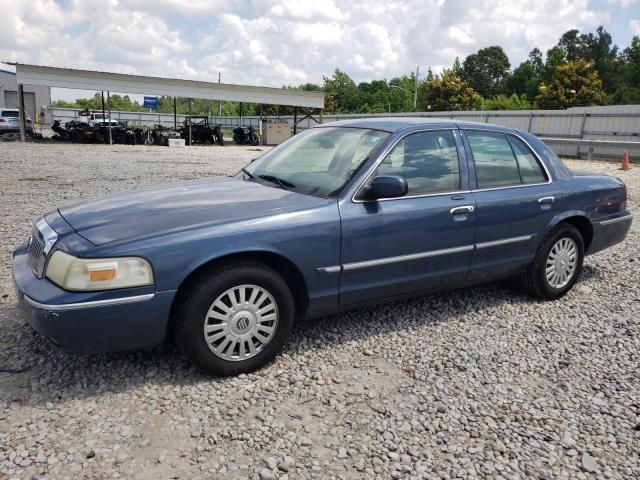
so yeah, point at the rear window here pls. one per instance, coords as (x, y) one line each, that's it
(10, 113)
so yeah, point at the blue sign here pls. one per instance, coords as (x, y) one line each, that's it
(150, 102)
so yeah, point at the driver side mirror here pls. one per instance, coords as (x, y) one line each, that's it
(391, 186)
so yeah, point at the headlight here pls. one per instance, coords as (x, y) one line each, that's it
(73, 273)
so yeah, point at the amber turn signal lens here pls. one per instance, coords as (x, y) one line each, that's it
(102, 275)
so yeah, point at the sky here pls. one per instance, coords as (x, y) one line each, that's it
(288, 42)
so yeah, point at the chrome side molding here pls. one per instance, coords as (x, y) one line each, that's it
(417, 256)
(405, 258)
(504, 241)
(82, 305)
(616, 220)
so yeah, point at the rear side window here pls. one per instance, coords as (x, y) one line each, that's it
(428, 161)
(10, 113)
(502, 161)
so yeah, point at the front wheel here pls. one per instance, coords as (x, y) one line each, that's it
(557, 264)
(235, 319)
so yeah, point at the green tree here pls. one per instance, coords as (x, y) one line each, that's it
(572, 45)
(487, 70)
(555, 58)
(343, 89)
(573, 84)
(628, 91)
(503, 102)
(536, 60)
(523, 80)
(448, 92)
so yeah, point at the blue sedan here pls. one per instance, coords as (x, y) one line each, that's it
(342, 215)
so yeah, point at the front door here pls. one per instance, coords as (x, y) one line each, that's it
(421, 241)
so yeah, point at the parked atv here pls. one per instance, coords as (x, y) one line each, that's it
(201, 132)
(61, 133)
(250, 137)
(160, 135)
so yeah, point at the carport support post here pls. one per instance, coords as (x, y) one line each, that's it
(260, 124)
(102, 94)
(21, 116)
(190, 101)
(295, 120)
(175, 114)
(109, 105)
(321, 115)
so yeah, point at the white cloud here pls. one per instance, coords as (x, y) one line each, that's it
(623, 3)
(276, 42)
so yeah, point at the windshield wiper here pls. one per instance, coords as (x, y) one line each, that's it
(247, 173)
(284, 184)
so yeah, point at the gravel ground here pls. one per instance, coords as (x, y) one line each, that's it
(477, 383)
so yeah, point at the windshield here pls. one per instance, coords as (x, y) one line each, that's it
(317, 162)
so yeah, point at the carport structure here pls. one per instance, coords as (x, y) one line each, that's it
(140, 84)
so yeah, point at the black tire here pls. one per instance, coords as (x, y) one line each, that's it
(190, 315)
(534, 280)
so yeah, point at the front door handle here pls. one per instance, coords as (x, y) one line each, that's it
(545, 200)
(462, 210)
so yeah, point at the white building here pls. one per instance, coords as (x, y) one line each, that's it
(36, 98)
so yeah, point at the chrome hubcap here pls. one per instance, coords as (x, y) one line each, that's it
(561, 262)
(240, 322)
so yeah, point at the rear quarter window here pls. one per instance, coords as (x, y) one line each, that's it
(530, 169)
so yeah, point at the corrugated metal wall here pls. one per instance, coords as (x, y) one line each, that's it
(39, 97)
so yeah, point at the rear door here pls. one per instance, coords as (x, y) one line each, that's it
(421, 241)
(515, 199)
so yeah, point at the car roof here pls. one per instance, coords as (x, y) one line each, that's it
(393, 124)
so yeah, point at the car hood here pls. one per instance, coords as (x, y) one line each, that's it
(178, 206)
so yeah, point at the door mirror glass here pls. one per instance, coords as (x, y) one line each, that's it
(391, 186)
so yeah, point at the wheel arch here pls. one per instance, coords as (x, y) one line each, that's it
(282, 265)
(580, 221)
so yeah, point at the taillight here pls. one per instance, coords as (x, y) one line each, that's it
(625, 195)
(2, 120)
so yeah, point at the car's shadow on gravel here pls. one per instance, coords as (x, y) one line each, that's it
(51, 375)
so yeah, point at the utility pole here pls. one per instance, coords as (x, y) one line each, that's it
(415, 89)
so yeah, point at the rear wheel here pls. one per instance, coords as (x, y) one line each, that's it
(557, 264)
(235, 319)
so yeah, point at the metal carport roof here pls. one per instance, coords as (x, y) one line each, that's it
(125, 83)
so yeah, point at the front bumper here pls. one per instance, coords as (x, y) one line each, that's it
(91, 322)
(609, 232)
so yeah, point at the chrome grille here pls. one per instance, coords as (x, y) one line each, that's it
(40, 242)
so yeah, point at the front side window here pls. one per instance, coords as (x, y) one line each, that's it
(502, 160)
(428, 161)
(319, 161)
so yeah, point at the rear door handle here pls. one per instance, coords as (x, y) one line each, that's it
(461, 210)
(544, 200)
